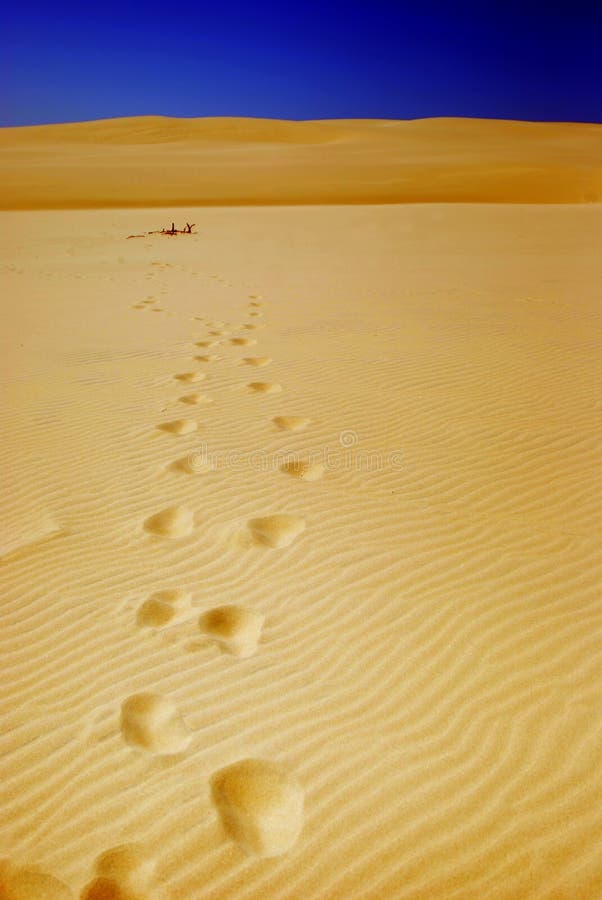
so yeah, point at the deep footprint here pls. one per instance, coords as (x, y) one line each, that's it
(291, 423)
(29, 883)
(260, 804)
(122, 873)
(175, 522)
(195, 399)
(235, 628)
(257, 360)
(153, 723)
(242, 342)
(193, 464)
(264, 387)
(162, 607)
(276, 531)
(179, 426)
(191, 377)
(306, 471)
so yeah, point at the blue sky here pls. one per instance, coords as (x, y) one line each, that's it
(301, 60)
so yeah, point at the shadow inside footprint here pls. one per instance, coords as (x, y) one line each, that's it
(260, 804)
(236, 629)
(190, 377)
(291, 423)
(174, 522)
(276, 531)
(178, 426)
(153, 723)
(257, 360)
(264, 387)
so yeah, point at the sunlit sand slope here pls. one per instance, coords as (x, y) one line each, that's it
(153, 161)
(337, 633)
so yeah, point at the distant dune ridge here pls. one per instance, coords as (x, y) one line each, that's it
(161, 161)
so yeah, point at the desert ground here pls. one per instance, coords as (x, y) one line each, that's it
(300, 550)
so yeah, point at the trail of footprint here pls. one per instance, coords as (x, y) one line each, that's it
(174, 522)
(260, 804)
(236, 629)
(179, 426)
(162, 607)
(264, 387)
(30, 883)
(276, 531)
(125, 872)
(291, 423)
(257, 360)
(153, 723)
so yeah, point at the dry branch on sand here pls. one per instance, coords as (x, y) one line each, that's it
(171, 231)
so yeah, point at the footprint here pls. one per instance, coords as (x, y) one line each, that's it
(155, 613)
(250, 326)
(193, 464)
(260, 804)
(257, 360)
(29, 883)
(209, 358)
(306, 471)
(122, 873)
(174, 522)
(291, 423)
(191, 377)
(157, 309)
(152, 722)
(195, 399)
(257, 303)
(276, 531)
(162, 607)
(235, 628)
(254, 313)
(138, 306)
(264, 387)
(242, 342)
(179, 426)
(206, 343)
(219, 332)
(254, 296)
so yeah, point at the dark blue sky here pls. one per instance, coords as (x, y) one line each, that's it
(301, 60)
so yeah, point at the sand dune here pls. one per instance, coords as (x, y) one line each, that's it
(342, 638)
(158, 161)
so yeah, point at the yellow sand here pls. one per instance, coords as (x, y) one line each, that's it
(158, 161)
(403, 700)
